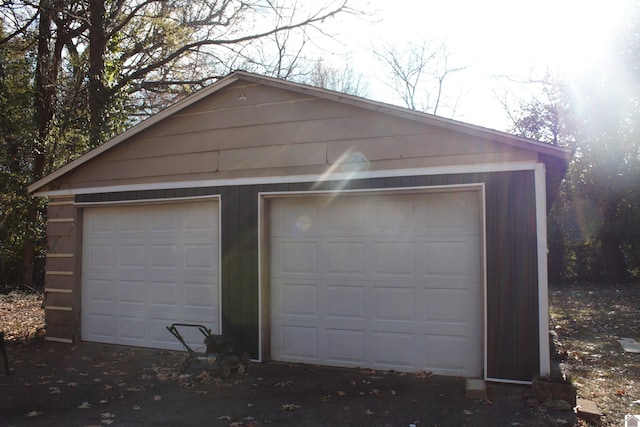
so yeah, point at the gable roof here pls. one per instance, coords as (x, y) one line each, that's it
(563, 154)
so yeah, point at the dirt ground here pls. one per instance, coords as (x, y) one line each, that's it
(90, 384)
(589, 320)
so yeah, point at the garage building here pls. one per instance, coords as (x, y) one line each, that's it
(309, 226)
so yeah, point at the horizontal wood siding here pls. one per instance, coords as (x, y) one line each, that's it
(275, 132)
(61, 298)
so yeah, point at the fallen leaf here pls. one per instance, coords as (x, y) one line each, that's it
(224, 418)
(107, 415)
(107, 387)
(282, 384)
(375, 392)
(341, 393)
(393, 392)
(156, 397)
(136, 408)
(85, 405)
(104, 401)
(620, 392)
(423, 374)
(54, 390)
(109, 421)
(290, 407)
(33, 414)
(72, 384)
(467, 412)
(370, 412)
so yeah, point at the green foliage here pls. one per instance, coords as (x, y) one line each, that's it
(17, 136)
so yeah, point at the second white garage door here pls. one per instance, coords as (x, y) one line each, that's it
(145, 267)
(379, 281)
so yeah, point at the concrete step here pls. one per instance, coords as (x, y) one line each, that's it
(476, 389)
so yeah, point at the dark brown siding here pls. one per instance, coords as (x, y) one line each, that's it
(512, 310)
(512, 278)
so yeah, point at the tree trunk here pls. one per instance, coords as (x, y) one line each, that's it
(614, 264)
(610, 242)
(45, 79)
(98, 92)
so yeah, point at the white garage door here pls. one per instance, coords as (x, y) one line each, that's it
(383, 282)
(145, 267)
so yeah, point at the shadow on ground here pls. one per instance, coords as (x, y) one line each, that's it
(90, 384)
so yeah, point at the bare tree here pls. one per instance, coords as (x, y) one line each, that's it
(100, 62)
(417, 73)
(343, 79)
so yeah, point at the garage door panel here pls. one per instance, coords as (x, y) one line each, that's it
(393, 350)
(346, 257)
(199, 297)
(102, 325)
(132, 256)
(132, 329)
(297, 218)
(394, 258)
(447, 354)
(132, 293)
(345, 216)
(345, 302)
(447, 305)
(397, 218)
(299, 300)
(158, 264)
(300, 342)
(394, 304)
(198, 256)
(369, 294)
(299, 257)
(345, 346)
(102, 291)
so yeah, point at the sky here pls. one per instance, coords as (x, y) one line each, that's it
(496, 41)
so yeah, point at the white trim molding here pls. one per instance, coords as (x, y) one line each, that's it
(287, 179)
(543, 272)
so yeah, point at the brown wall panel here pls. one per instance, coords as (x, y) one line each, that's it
(59, 282)
(60, 331)
(58, 299)
(60, 211)
(58, 317)
(61, 244)
(60, 264)
(56, 229)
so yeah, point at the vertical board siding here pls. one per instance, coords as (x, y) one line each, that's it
(512, 278)
(511, 258)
